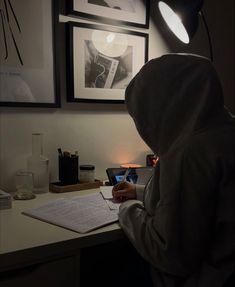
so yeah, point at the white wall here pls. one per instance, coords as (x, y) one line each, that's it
(102, 138)
(103, 134)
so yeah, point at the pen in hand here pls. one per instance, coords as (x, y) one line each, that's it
(121, 183)
(125, 175)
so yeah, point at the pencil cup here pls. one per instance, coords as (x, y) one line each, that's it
(68, 169)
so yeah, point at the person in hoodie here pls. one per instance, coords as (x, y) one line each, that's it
(183, 223)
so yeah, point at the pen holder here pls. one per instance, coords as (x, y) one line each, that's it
(68, 169)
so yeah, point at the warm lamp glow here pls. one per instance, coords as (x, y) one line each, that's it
(130, 165)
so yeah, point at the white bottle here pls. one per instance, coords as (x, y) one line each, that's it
(38, 164)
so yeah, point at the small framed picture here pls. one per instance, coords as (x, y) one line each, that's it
(114, 12)
(102, 61)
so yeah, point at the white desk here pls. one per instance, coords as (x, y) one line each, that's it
(51, 252)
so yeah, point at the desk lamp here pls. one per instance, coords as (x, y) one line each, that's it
(181, 17)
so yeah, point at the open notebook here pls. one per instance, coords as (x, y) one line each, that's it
(81, 213)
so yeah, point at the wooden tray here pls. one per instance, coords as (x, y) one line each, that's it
(58, 188)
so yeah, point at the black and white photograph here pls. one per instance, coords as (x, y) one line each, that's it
(107, 72)
(125, 5)
(116, 12)
(106, 61)
(26, 66)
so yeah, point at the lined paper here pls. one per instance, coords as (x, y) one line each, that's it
(81, 213)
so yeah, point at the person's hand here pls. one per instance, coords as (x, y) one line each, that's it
(124, 191)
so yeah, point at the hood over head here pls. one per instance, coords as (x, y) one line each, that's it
(173, 96)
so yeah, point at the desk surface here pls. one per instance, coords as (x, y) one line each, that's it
(20, 234)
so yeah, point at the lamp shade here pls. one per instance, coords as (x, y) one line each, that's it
(181, 16)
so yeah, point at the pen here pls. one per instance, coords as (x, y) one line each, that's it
(67, 154)
(125, 175)
(123, 180)
(60, 152)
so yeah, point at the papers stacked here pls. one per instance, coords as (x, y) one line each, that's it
(5, 200)
(81, 213)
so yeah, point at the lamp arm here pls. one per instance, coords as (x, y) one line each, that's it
(208, 34)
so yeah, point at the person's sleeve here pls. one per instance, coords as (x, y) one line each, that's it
(176, 236)
(139, 191)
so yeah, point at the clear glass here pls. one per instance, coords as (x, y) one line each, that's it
(24, 185)
(38, 164)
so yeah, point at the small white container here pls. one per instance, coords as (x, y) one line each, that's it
(87, 173)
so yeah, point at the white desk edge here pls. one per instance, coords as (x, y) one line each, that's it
(24, 239)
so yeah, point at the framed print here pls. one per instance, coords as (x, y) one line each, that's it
(28, 74)
(114, 12)
(102, 61)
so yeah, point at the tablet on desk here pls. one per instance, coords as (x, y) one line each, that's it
(139, 175)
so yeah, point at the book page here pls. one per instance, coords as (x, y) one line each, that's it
(81, 213)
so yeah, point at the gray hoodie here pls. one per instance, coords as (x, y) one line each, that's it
(185, 226)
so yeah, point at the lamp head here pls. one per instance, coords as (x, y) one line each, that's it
(181, 16)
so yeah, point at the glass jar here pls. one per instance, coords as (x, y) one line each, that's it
(87, 173)
(38, 164)
(24, 185)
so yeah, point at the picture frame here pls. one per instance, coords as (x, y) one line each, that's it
(29, 73)
(101, 61)
(113, 12)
